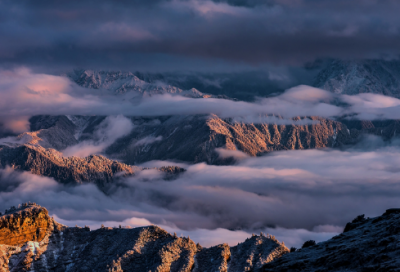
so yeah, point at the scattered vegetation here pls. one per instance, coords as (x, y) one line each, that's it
(308, 243)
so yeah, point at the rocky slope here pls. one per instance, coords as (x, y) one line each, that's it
(196, 138)
(32, 241)
(361, 76)
(51, 163)
(120, 249)
(72, 170)
(367, 244)
(172, 137)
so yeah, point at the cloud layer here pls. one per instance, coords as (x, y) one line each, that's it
(295, 195)
(25, 94)
(106, 133)
(150, 34)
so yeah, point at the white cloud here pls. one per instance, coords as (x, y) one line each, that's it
(148, 140)
(108, 131)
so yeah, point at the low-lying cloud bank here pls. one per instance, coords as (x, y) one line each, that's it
(106, 133)
(295, 195)
(25, 94)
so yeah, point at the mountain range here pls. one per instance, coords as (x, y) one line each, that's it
(55, 146)
(349, 77)
(190, 138)
(30, 240)
(122, 82)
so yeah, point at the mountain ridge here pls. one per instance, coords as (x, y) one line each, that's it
(42, 244)
(148, 248)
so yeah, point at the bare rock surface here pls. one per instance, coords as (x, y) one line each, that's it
(123, 249)
(195, 138)
(367, 244)
(29, 223)
(51, 163)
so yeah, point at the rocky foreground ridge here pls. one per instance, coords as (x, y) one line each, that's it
(32, 241)
(367, 244)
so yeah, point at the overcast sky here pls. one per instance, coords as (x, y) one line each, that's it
(194, 34)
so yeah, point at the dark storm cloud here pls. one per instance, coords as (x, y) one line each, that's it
(177, 34)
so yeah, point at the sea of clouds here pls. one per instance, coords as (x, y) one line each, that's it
(294, 195)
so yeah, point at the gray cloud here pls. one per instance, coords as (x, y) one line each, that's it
(147, 34)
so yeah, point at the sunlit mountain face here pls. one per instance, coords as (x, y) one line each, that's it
(199, 135)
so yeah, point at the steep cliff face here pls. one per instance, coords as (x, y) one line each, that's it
(121, 249)
(254, 139)
(30, 223)
(51, 163)
(24, 232)
(368, 244)
(195, 138)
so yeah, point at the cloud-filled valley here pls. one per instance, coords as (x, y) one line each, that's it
(296, 195)
(179, 130)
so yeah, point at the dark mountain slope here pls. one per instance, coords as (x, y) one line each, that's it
(365, 245)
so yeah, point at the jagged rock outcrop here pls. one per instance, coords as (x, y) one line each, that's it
(124, 249)
(360, 76)
(51, 163)
(170, 138)
(38, 243)
(368, 244)
(23, 225)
